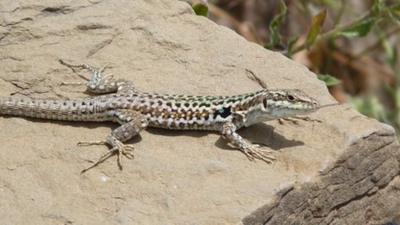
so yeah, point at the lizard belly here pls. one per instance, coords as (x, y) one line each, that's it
(186, 120)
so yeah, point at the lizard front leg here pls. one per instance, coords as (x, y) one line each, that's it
(132, 123)
(250, 150)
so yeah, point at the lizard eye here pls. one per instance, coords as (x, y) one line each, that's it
(265, 103)
(290, 97)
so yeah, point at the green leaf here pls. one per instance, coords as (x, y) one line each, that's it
(397, 98)
(394, 12)
(200, 9)
(391, 52)
(275, 25)
(291, 44)
(335, 4)
(378, 6)
(316, 24)
(371, 107)
(360, 29)
(329, 80)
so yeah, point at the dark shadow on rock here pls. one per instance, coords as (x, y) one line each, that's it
(174, 133)
(90, 125)
(112, 126)
(263, 135)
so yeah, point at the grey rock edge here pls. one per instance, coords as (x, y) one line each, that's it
(342, 170)
(362, 187)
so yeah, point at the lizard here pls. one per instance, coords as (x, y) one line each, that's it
(117, 100)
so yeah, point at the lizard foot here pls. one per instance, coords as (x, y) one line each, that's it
(254, 152)
(118, 148)
(295, 120)
(72, 83)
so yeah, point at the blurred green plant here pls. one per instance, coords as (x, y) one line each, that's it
(201, 9)
(329, 80)
(360, 27)
(371, 107)
(274, 28)
(379, 15)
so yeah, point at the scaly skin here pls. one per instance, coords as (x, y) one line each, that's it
(134, 110)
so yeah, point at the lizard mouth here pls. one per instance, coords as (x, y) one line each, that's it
(327, 105)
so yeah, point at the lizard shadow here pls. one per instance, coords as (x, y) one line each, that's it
(112, 126)
(90, 125)
(263, 135)
(174, 133)
(137, 138)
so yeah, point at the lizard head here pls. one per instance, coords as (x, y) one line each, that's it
(286, 103)
(275, 104)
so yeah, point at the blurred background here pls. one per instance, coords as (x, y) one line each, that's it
(352, 45)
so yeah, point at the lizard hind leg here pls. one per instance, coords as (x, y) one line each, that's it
(132, 123)
(99, 83)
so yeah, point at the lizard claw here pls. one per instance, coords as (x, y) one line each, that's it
(89, 143)
(295, 120)
(123, 150)
(254, 152)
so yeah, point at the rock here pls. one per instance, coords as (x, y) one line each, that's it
(343, 169)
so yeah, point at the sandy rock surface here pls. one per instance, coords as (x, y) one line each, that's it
(343, 169)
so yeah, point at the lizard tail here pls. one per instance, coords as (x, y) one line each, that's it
(75, 110)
